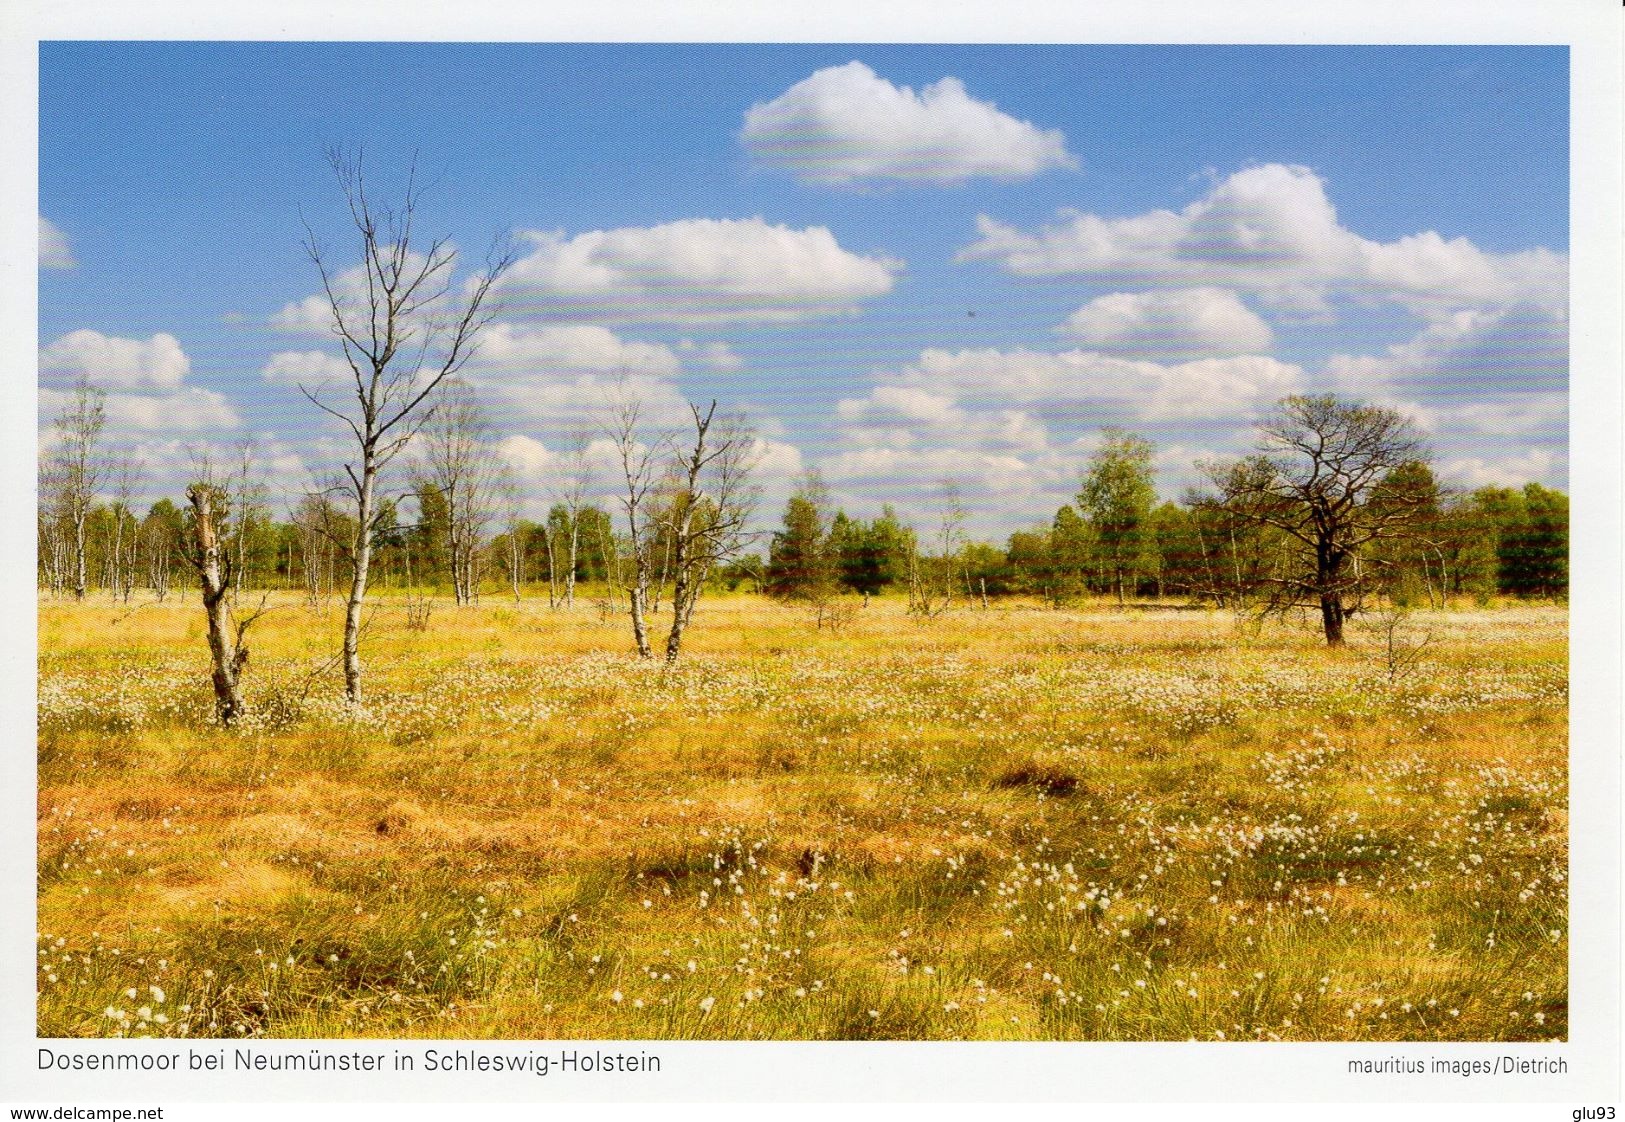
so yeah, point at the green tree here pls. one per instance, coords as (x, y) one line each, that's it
(800, 562)
(986, 569)
(598, 558)
(1116, 499)
(1028, 559)
(1071, 546)
(1538, 550)
(1179, 565)
(1412, 561)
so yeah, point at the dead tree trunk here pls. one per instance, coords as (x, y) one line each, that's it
(213, 565)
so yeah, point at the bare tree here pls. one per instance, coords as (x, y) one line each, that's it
(637, 461)
(77, 471)
(456, 461)
(403, 331)
(1320, 461)
(575, 479)
(124, 561)
(211, 556)
(931, 579)
(250, 510)
(507, 490)
(53, 522)
(320, 526)
(709, 510)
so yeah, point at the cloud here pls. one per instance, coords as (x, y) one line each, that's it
(305, 368)
(112, 363)
(530, 458)
(918, 471)
(187, 409)
(1171, 325)
(1469, 353)
(561, 379)
(1272, 230)
(696, 270)
(716, 355)
(567, 348)
(846, 124)
(313, 315)
(54, 251)
(1539, 465)
(776, 461)
(908, 404)
(142, 378)
(1079, 381)
(1016, 426)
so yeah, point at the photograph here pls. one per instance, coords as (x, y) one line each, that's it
(752, 542)
(564, 567)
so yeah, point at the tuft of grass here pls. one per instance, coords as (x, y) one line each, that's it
(1053, 781)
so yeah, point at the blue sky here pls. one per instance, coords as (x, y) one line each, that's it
(907, 263)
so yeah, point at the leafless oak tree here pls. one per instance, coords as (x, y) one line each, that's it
(403, 331)
(1312, 480)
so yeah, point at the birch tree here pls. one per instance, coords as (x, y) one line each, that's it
(456, 461)
(1116, 497)
(636, 459)
(403, 330)
(77, 471)
(709, 509)
(575, 479)
(209, 550)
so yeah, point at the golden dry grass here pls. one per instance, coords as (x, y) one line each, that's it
(1015, 823)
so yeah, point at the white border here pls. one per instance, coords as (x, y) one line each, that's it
(742, 1072)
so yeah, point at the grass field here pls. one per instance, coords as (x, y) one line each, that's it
(1016, 823)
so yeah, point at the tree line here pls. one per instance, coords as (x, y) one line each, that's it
(1402, 536)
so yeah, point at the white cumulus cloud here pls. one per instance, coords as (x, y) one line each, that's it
(1524, 465)
(144, 382)
(1071, 383)
(1170, 325)
(1017, 426)
(1512, 350)
(560, 379)
(717, 355)
(113, 363)
(695, 270)
(1273, 230)
(846, 124)
(305, 368)
(507, 349)
(189, 409)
